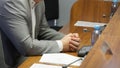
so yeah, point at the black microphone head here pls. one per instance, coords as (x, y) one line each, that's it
(84, 51)
(64, 66)
(81, 53)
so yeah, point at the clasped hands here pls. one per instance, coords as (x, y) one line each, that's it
(71, 42)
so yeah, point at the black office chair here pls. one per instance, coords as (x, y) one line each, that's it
(52, 13)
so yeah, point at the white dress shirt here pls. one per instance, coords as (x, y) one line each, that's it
(32, 5)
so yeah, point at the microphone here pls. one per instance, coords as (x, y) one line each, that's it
(84, 50)
(65, 66)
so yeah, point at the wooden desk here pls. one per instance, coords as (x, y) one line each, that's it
(96, 57)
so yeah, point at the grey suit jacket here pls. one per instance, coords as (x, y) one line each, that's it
(16, 25)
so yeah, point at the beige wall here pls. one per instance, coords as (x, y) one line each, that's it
(64, 11)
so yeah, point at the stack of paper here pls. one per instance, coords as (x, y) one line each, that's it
(60, 58)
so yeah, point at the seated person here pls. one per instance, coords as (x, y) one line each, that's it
(24, 23)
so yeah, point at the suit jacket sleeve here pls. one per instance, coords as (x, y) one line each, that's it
(15, 24)
(44, 31)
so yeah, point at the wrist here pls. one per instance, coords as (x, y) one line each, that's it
(60, 45)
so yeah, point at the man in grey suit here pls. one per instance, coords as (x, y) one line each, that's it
(25, 30)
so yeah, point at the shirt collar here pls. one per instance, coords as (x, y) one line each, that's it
(32, 3)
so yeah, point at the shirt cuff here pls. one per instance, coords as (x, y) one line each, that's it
(60, 45)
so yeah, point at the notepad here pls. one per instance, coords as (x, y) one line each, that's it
(60, 58)
(36, 65)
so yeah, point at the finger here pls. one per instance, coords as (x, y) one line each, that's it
(73, 48)
(70, 34)
(74, 43)
(75, 39)
(76, 35)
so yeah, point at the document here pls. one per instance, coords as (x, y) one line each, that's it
(88, 24)
(36, 65)
(60, 58)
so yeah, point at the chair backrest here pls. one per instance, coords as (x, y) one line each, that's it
(52, 9)
(52, 13)
(10, 53)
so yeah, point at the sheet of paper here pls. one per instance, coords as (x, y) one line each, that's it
(88, 24)
(60, 58)
(35, 65)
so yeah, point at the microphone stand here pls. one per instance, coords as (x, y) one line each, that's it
(65, 66)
